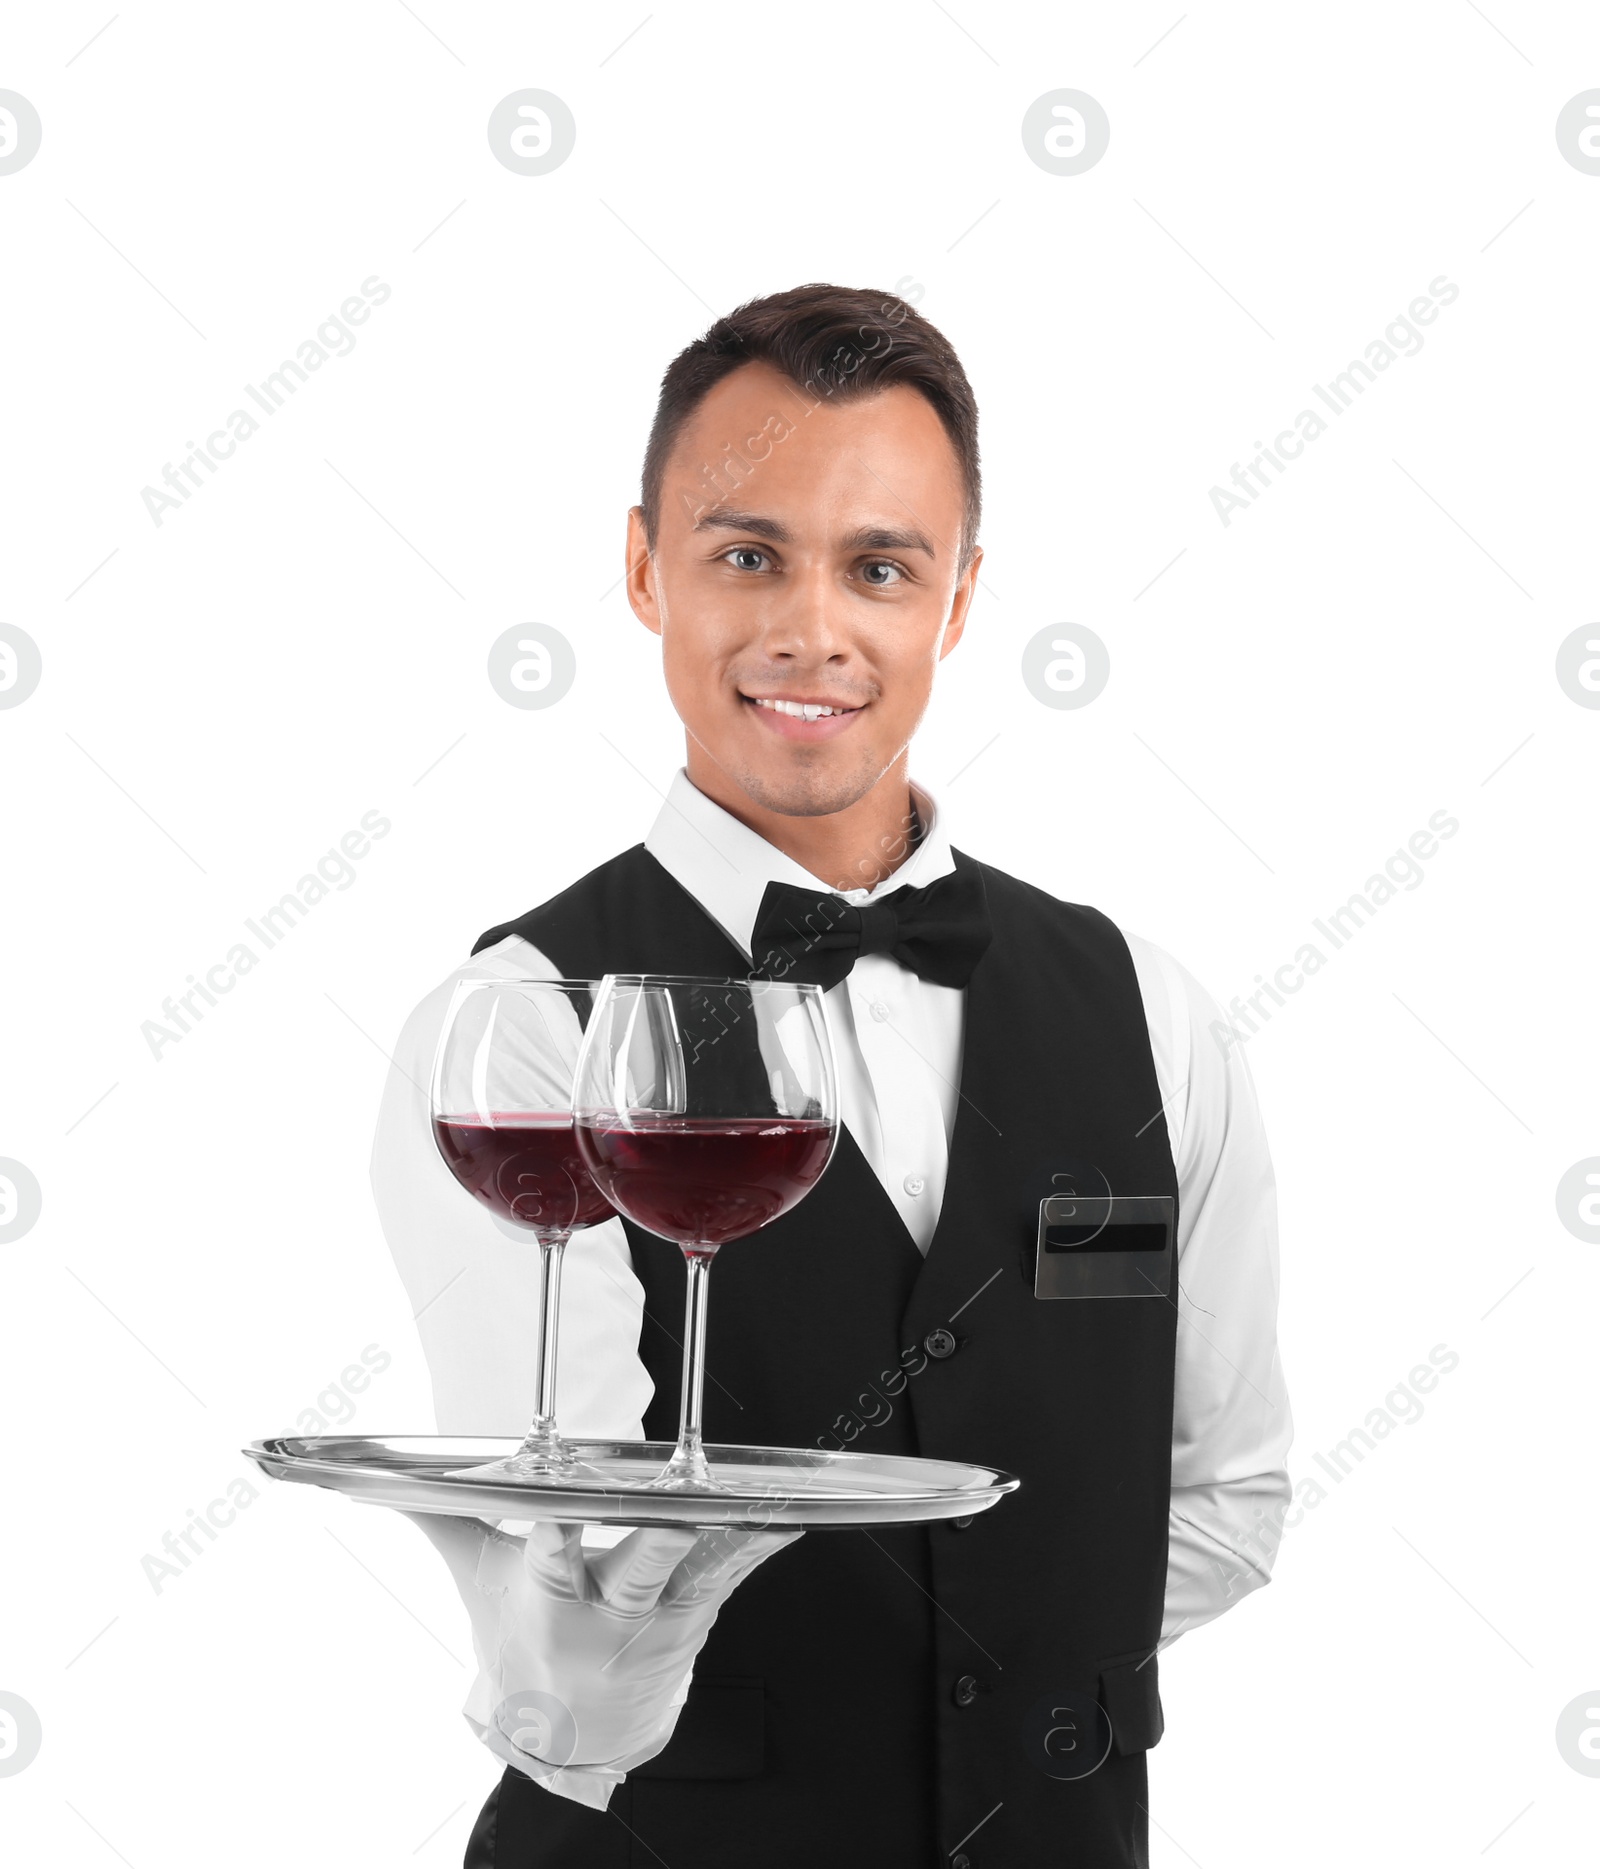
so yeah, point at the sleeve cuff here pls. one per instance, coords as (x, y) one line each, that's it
(583, 1784)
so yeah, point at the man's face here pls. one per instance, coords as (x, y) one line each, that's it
(817, 570)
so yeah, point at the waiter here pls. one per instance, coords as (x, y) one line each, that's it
(969, 1693)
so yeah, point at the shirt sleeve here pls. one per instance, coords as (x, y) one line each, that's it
(473, 1281)
(1231, 1422)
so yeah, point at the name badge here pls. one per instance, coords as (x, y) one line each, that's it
(1104, 1246)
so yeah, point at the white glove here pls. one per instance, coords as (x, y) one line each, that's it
(584, 1660)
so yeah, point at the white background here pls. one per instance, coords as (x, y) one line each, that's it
(1373, 641)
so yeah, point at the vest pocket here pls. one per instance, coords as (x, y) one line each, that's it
(1132, 1700)
(721, 1732)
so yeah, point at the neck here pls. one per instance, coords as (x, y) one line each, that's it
(851, 849)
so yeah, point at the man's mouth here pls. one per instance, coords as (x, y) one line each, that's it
(803, 710)
(804, 720)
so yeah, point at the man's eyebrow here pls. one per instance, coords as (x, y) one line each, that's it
(866, 539)
(727, 519)
(888, 539)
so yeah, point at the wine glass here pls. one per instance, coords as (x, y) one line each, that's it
(502, 1117)
(705, 1109)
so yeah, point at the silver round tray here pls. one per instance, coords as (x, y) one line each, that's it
(754, 1486)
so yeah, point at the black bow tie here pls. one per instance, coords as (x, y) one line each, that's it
(939, 932)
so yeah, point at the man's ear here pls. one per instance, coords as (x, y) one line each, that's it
(960, 604)
(638, 574)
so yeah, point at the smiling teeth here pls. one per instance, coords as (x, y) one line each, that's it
(802, 710)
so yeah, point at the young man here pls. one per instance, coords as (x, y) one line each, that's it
(979, 1691)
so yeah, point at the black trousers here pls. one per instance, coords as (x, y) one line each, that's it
(651, 1823)
(523, 1826)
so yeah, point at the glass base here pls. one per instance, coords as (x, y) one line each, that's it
(527, 1469)
(687, 1471)
(543, 1458)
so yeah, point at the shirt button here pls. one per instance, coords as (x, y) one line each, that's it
(880, 1012)
(913, 1184)
(965, 1690)
(939, 1343)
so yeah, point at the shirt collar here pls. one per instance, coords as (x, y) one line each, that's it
(726, 866)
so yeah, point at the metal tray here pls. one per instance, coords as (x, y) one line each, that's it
(755, 1486)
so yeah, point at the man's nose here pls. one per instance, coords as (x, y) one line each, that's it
(807, 623)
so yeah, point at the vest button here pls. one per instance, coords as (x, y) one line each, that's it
(960, 1525)
(939, 1342)
(965, 1690)
(960, 1862)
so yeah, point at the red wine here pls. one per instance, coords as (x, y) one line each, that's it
(705, 1181)
(525, 1166)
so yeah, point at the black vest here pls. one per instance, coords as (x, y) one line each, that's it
(913, 1696)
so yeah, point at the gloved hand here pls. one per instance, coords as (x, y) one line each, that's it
(585, 1659)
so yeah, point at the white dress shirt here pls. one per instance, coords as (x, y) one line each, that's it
(897, 1043)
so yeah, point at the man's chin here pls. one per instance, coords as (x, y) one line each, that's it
(814, 793)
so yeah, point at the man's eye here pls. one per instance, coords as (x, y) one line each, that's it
(881, 572)
(745, 558)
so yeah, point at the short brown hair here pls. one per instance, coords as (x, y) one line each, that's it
(830, 341)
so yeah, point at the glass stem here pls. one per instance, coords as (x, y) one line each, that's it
(542, 1436)
(688, 1464)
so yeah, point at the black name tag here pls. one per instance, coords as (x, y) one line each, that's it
(1104, 1246)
